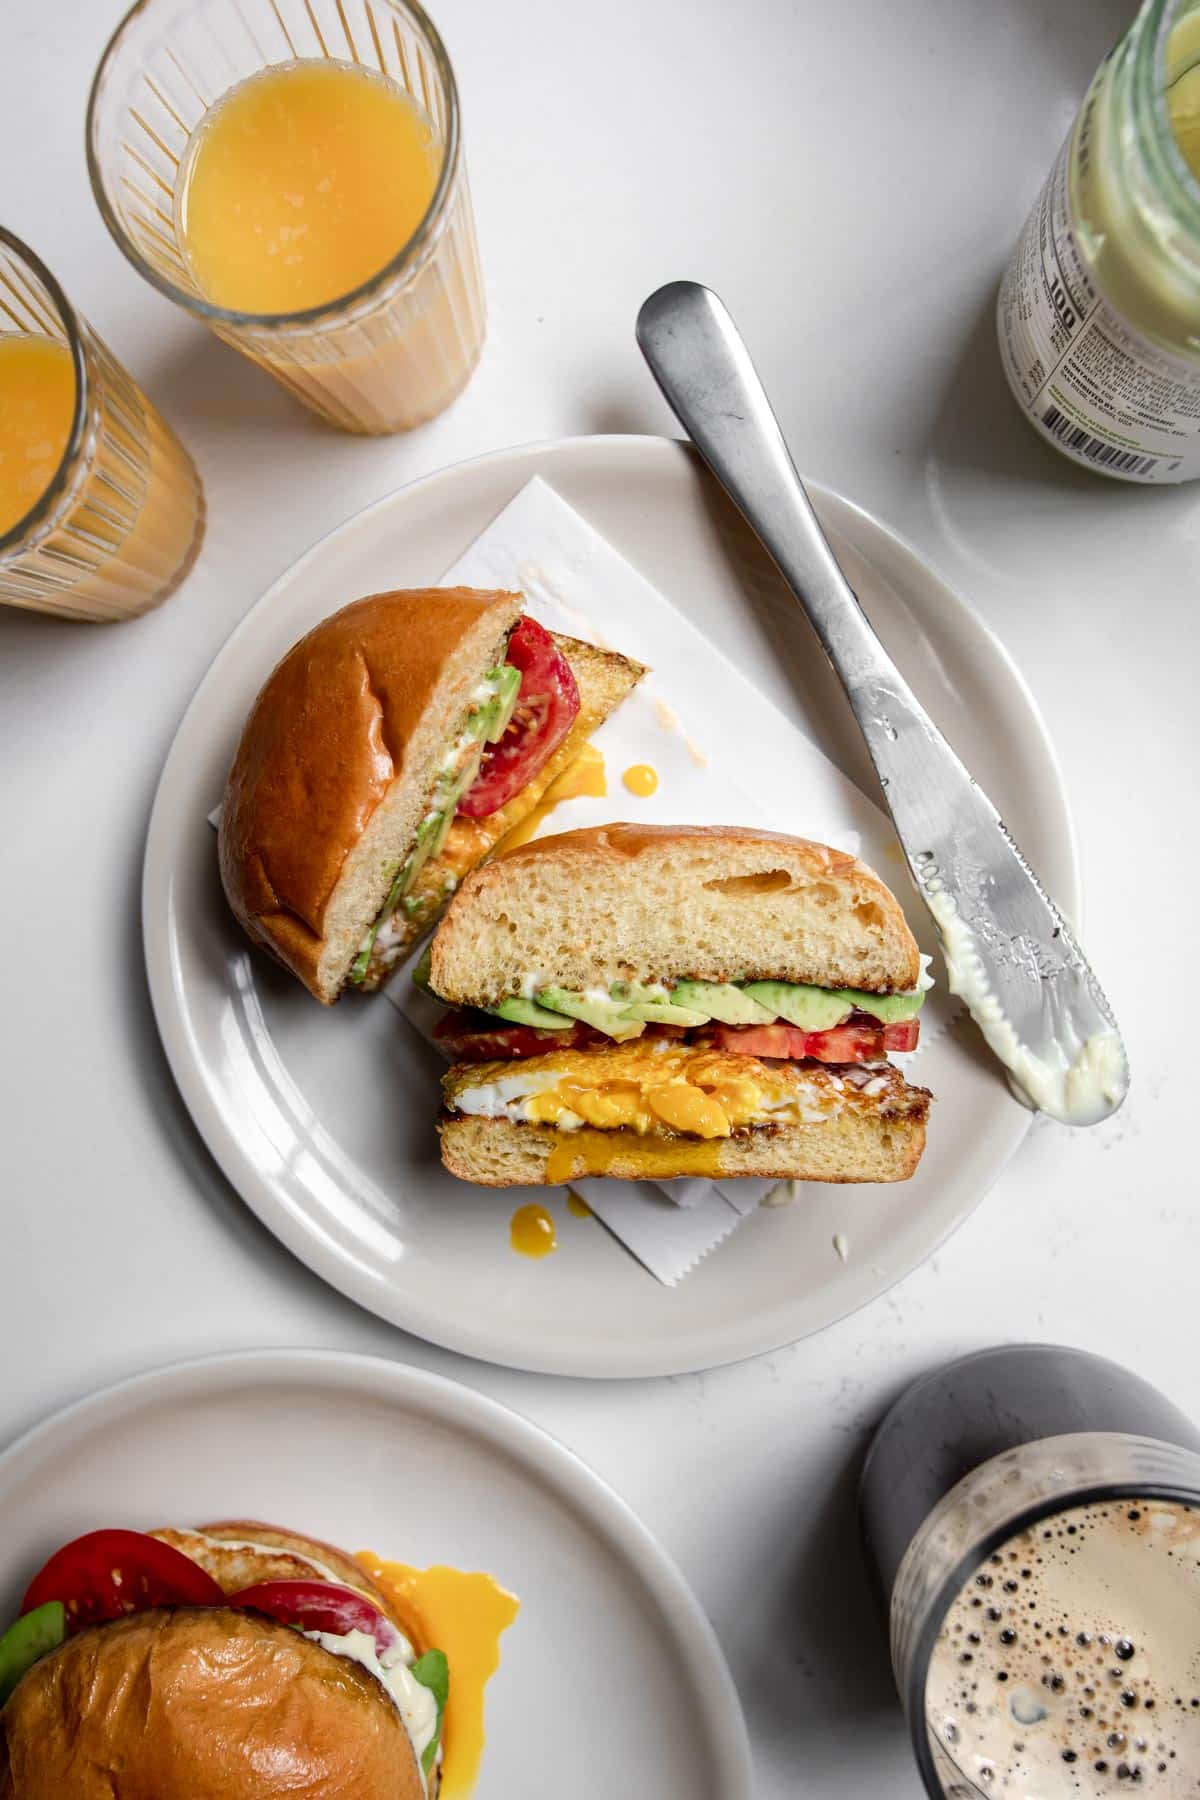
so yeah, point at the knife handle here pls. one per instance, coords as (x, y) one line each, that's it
(702, 365)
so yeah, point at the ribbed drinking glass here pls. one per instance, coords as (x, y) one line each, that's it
(397, 348)
(120, 521)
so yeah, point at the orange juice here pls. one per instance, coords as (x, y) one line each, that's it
(300, 184)
(37, 405)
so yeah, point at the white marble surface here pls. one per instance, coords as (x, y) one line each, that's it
(850, 179)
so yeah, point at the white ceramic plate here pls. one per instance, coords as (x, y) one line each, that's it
(323, 1121)
(610, 1677)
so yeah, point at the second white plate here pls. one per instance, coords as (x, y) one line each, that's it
(609, 1679)
(324, 1121)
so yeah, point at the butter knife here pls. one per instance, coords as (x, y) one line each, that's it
(1010, 955)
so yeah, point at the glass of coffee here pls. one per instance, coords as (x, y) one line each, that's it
(1032, 1515)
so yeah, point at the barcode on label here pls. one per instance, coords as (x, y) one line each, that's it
(1076, 437)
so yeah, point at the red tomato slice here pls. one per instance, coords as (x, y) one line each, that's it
(105, 1574)
(477, 1037)
(860, 1039)
(318, 1606)
(547, 707)
(903, 1036)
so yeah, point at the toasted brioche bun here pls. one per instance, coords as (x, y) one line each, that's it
(202, 1704)
(666, 903)
(336, 764)
(604, 678)
(871, 1132)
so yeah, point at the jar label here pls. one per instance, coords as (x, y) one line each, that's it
(1099, 391)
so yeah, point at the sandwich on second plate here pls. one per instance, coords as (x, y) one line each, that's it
(661, 1001)
(237, 1660)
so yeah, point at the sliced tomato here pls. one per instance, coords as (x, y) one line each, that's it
(477, 1037)
(546, 709)
(318, 1606)
(468, 1036)
(105, 1574)
(860, 1039)
(777, 1042)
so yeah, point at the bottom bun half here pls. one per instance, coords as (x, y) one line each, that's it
(858, 1146)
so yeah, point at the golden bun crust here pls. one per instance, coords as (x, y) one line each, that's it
(343, 717)
(202, 1704)
(670, 903)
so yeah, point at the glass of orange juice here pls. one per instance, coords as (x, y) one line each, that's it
(292, 172)
(101, 510)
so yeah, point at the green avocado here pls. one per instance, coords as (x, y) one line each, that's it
(654, 1004)
(665, 1012)
(889, 1009)
(811, 1008)
(423, 968)
(528, 1012)
(433, 1671)
(500, 708)
(607, 1015)
(432, 833)
(29, 1639)
(721, 1000)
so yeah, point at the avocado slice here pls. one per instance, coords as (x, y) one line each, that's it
(606, 1014)
(432, 833)
(423, 968)
(721, 1000)
(889, 1009)
(29, 1639)
(810, 1008)
(500, 708)
(665, 1012)
(433, 1671)
(528, 1012)
(654, 1004)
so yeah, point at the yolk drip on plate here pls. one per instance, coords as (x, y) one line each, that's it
(531, 1232)
(464, 1614)
(584, 778)
(577, 1205)
(641, 780)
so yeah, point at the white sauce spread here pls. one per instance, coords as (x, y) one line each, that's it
(1084, 1081)
(415, 1703)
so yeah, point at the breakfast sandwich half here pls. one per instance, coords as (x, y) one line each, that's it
(391, 750)
(662, 1001)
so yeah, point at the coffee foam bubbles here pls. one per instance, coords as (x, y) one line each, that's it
(1069, 1665)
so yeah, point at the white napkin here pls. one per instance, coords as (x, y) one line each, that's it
(704, 728)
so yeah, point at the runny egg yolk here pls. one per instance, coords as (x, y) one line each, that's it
(531, 1232)
(695, 1094)
(641, 780)
(464, 1614)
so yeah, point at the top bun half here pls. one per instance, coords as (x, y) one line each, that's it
(336, 762)
(202, 1703)
(651, 903)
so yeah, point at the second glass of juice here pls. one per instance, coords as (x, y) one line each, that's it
(292, 172)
